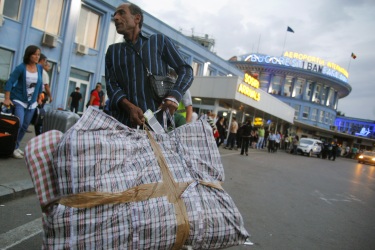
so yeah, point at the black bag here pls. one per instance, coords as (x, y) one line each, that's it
(38, 116)
(160, 85)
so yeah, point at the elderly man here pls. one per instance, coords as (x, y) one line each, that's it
(128, 89)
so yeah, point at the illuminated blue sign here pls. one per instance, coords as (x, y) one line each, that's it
(319, 66)
(364, 132)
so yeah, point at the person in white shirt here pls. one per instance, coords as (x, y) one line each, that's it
(271, 142)
(232, 133)
(277, 141)
(46, 67)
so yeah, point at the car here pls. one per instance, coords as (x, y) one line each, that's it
(367, 157)
(309, 147)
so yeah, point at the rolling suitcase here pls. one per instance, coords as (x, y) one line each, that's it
(9, 125)
(59, 120)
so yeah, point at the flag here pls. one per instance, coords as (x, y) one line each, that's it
(354, 56)
(290, 29)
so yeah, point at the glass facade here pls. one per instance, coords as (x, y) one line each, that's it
(314, 102)
(47, 15)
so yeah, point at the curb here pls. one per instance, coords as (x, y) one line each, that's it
(17, 189)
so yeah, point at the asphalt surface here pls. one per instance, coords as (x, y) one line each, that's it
(287, 201)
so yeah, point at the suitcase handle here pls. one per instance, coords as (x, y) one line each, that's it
(6, 110)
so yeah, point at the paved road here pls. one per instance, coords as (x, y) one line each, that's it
(297, 202)
(287, 201)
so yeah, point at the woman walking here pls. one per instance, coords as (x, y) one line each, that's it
(22, 90)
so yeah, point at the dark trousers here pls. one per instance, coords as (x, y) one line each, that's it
(332, 155)
(245, 145)
(75, 108)
(38, 129)
(231, 140)
(271, 146)
(220, 139)
(295, 149)
(277, 146)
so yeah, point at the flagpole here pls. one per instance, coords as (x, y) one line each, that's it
(282, 52)
(259, 42)
(350, 59)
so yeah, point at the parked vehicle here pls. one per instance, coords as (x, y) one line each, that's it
(367, 157)
(310, 147)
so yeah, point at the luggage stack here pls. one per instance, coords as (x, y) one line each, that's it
(59, 120)
(103, 185)
(9, 125)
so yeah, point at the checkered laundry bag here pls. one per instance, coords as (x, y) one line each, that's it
(103, 185)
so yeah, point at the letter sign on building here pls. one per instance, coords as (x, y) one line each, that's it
(246, 90)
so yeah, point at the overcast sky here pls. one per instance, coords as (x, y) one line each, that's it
(329, 29)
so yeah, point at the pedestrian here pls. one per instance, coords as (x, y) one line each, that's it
(246, 132)
(101, 94)
(354, 152)
(232, 133)
(261, 133)
(46, 81)
(277, 141)
(221, 127)
(194, 117)
(185, 107)
(347, 151)
(295, 144)
(95, 97)
(253, 138)
(39, 114)
(271, 142)
(74, 99)
(128, 87)
(22, 90)
(211, 120)
(333, 150)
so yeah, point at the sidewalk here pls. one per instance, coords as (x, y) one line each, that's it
(15, 180)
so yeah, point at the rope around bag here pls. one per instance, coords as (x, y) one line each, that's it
(168, 187)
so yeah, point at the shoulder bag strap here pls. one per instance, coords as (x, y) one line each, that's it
(148, 72)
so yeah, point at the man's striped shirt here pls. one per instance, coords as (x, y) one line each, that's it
(126, 75)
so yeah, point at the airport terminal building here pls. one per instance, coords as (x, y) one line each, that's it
(281, 92)
(313, 87)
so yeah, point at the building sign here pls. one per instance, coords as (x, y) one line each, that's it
(248, 89)
(258, 121)
(302, 61)
(364, 132)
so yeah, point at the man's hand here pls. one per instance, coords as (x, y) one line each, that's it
(135, 113)
(169, 104)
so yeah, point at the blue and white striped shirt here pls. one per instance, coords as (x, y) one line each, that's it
(126, 75)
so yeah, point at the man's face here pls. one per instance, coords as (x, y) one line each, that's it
(125, 22)
(46, 66)
(42, 62)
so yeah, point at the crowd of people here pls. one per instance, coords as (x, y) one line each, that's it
(244, 136)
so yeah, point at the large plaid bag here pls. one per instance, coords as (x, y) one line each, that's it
(103, 185)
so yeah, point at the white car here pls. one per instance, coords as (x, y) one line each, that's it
(310, 147)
